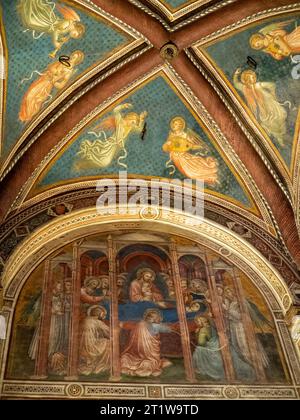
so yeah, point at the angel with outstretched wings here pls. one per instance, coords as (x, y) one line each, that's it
(45, 17)
(182, 144)
(276, 41)
(111, 137)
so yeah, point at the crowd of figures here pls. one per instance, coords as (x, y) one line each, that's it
(148, 311)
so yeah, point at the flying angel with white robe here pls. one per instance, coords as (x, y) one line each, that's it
(102, 151)
(44, 17)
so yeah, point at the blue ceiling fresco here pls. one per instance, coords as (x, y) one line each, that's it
(50, 45)
(145, 153)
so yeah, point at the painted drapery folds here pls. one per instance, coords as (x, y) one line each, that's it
(56, 53)
(141, 306)
(262, 80)
(149, 301)
(150, 131)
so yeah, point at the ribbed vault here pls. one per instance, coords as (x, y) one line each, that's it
(226, 71)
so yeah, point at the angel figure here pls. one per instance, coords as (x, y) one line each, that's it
(180, 143)
(56, 76)
(102, 151)
(40, 16)
(276, 41)
(262, 100)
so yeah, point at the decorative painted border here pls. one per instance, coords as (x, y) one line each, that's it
(3, 72)
(275, 251)
(138, 46)
(201, 112)
(52, 235)
(60, 232)
(296, 182)
(201, 61)
(32, 390)
(168, 18)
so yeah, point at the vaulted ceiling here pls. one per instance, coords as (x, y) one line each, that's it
(67, 68)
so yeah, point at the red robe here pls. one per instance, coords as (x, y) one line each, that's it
(136, 293)
(142, 355)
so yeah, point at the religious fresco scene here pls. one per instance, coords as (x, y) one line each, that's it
(56, 50)
(206, 324)
(151, 133)
(263, 73)
(150, 200)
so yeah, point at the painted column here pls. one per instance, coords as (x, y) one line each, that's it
(74, 332)
(41, 362)
(185, 335)
(218, 314)
(114, 313)
(249, 329)
(290, 352)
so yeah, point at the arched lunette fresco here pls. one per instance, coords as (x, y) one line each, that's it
(88, 222)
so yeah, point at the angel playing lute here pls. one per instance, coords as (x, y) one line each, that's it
(180, 143)
(44, 17)
(276, 41)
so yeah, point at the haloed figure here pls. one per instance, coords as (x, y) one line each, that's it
(56, 76)
(181, 145)
(276, 41)
(142, 357)
(95, 343)
(115, 131)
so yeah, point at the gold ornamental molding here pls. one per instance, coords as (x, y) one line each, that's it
(174, 18)
(66, 229)
(103, 391)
